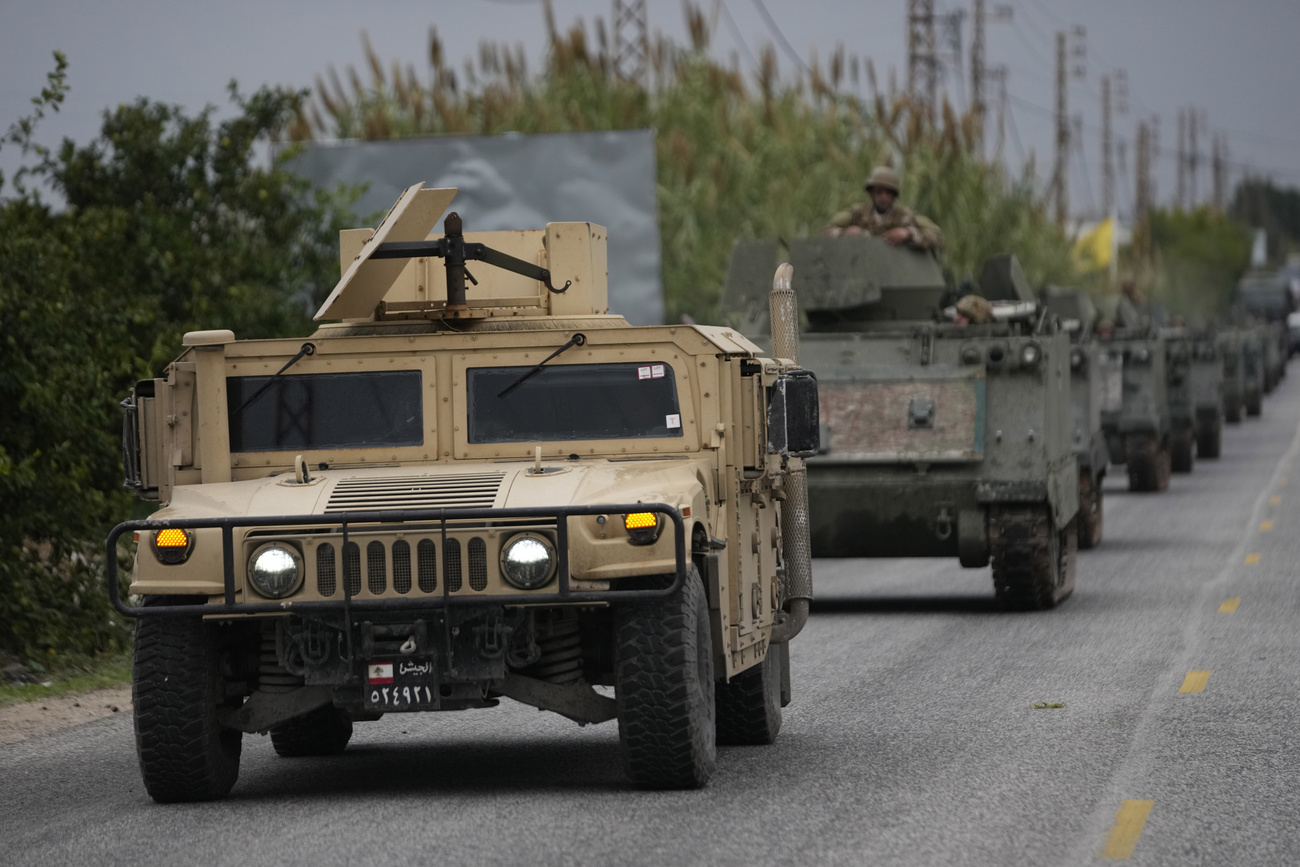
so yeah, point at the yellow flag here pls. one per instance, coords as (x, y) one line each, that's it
(1096, 248)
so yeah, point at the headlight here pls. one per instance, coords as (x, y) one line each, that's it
(643, 527)
(1141, 354)
(1076, 358)
(275, 570)
(528, 561)
(172, 545)
(1030, 354)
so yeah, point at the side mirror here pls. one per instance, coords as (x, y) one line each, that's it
(793, 416)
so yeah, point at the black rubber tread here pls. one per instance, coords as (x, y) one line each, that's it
(665, 690)
(749, 706)
(1254, 406)
(1209, 441)
(1033, 563)
(185, 754)
(1090, 510)
(1181, 451)
(1148, 464)
(1232, 411)
(323, 732)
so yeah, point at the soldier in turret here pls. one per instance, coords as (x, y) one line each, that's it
(883, 216)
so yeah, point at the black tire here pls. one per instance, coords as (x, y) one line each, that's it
(1232, 411)
(176, 689)
(1090, 510)
(664, 686)
(1181, 451)
(749, 707)
(1149, 464)
(1209, 440)
(1033, 563)
(1254, 405)
(323, 732)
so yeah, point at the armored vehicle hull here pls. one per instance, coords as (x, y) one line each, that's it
(938, 440)
(1182, 401)
(454, 497)
(1138, 434)
(1252, 366)
(1207, 394)
(1229, 345)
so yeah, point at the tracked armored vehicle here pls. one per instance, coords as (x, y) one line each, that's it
(1207, 375)
(1182, 401)
(452, 495)
(1252, 367)
(1138, 432)
(1096, 383)
(938, 439)
(1229, 345)
(1266, 296)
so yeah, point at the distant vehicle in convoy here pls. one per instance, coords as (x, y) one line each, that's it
(938, 439)
(1182, 402)
(453, 495)
(1207, 377)
(1229, 345)
(1138, 432)
(1267, 296)
(1293, 333)
(1096, 385)
(1252, 367)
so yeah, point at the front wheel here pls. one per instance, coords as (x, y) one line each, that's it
(1090, 510)
(1181, 451)
(176, 690)
(665, 690)
(1033, 562)
(749, 706)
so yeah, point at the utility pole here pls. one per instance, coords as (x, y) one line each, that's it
(1220, 173)
(1193, 161)
(1180, 187)
(922, 58)
(979, 72)
(1061, 170)
(631, 42)
(1107, 153)
(1142, 174)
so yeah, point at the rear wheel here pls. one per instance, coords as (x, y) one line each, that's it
(1254, 405)
(1181, 451)
(323, 732)
(1090, 511)
(749, 706)
(1209, 440)
(664, 685)
(1232, 410)
(1148, 463)
(1033, 562)
(176, 690)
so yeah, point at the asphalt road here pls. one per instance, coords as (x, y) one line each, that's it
(912, 739)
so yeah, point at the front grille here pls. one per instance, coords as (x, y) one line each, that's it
(462, 559)
(352, 568)
(467, 491)
(451, 565)
(477, 564)
(376, 573)
(402, 566)
(427, 565)
(325, 580)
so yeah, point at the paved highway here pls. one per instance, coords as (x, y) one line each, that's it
(1169, 679)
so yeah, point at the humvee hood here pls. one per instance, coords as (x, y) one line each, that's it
(482, 486)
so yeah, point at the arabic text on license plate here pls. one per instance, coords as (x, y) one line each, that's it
(401, 685)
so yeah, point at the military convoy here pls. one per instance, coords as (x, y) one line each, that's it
(450, 495)
(453, 494)
(938, 439)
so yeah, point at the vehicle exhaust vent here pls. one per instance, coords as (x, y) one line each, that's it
(468, 491)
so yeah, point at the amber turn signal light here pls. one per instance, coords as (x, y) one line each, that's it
(172, 545)
(642, 527)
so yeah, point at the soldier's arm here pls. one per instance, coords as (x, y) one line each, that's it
(838, 223)
(925, 234)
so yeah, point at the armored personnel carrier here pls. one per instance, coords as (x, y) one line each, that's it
(1182, 401)
(938, 439)
(1229, 345)
(1207, 376)
(1252, 366)
(450, 495)
(1096, 383)
(1138, 433)
(1266, 296)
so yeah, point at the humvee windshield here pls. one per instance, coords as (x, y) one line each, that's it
(325, 411)
(574, 402)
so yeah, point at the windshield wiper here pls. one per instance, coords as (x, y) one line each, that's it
(307, 349)
(576, 340)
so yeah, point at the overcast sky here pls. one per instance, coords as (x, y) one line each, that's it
(1238, 62)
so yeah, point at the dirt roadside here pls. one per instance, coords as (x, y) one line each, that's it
(27, 719)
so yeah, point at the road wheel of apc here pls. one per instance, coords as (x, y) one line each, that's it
(1033, 562)
(1209, 440)
(1254, 405)
(1232, 411)
(664, 686)
(1180, 451)
(749, 706)
(323, 732)
(1090, 510)
(176, 690)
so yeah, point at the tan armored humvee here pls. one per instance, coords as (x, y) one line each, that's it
(456, 494)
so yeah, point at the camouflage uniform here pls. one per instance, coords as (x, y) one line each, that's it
(924, 233)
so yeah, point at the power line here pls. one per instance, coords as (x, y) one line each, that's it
(780, 37)
(736, 34)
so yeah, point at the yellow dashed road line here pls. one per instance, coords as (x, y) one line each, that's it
(1273, 501)
(1130, 819)
(1230, 605)
(1195, 681)
(1266, 526)
(1252, 559)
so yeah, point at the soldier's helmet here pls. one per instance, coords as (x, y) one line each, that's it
(883, 177)
(976, 309)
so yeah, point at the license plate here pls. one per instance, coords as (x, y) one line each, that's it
(401, 685)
